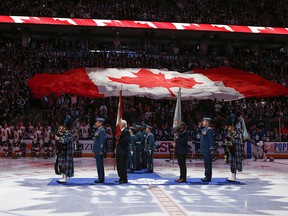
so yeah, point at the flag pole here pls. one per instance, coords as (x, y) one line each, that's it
(118, 124)
(177, 120)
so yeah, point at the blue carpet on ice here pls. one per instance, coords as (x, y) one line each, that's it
(142, 178)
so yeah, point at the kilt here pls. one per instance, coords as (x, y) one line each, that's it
(65, 159)
(235, 160)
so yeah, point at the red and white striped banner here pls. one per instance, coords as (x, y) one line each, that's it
(142, 24)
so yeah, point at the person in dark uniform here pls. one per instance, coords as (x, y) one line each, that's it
(132, 151)
(206, 145)
(138, 138)
(99, 149)
(122, 149)
(181, 145)
(142, 148)
(233, 150)
(149, 148)
(65, 151)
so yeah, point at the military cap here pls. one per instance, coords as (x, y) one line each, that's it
(132, 128)
(150, 127)
(100, 119)
(207, 119)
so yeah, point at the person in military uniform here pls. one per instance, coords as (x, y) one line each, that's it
(206, 145)
(181, 145)
(138, 138)
(65, 151)
(142, 147)
(233, 150)
(122, 149)
(149, 148)
(99, 148)
(132, 150)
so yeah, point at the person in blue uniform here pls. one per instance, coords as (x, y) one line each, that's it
(206, 145)
(122, 150)
(142, 147)
(138, 138)
(132, 151)
(149, 148)
(181, 145)
(99, 148)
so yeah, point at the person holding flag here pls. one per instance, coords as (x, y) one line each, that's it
(122, 150)
(180, 140)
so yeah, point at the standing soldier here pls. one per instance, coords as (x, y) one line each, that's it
(181, 145)
(142, 147)
(99, 149)
(149, 148)
(132, 151)
(233, 150)
(138, 138)
(206, 145)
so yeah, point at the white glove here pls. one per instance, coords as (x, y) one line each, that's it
(150, 151)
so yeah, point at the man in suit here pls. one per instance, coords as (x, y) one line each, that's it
(99, 149)
(206, 145)
(122, 150)
(149, 148)
(181, 145)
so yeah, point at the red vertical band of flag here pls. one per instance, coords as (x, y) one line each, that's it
(119, 115)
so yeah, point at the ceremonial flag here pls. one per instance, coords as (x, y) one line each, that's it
(119, 116)
(218, 83)
(177, 114)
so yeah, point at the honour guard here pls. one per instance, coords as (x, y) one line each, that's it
(65, 150)
(138, 138)
(233, 150)
(206, 146)
(132, 151)
(149, 148)
(181, 145)
(99, 149)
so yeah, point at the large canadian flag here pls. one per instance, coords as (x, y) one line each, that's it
(218, 83)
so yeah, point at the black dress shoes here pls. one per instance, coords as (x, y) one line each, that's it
(99, 181)
(181, 180)
(123, 182)
(205, 180)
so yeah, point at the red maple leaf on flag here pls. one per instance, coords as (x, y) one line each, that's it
(147, 79)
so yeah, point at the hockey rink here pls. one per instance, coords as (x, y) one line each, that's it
(28, 187)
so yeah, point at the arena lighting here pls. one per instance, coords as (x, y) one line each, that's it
(142, 24)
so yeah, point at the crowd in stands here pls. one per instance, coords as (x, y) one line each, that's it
(18, 64)
(235, 12)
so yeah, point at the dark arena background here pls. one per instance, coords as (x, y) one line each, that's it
(238, 47)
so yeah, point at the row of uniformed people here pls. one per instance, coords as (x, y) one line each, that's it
(141, 148)
(129, 148)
